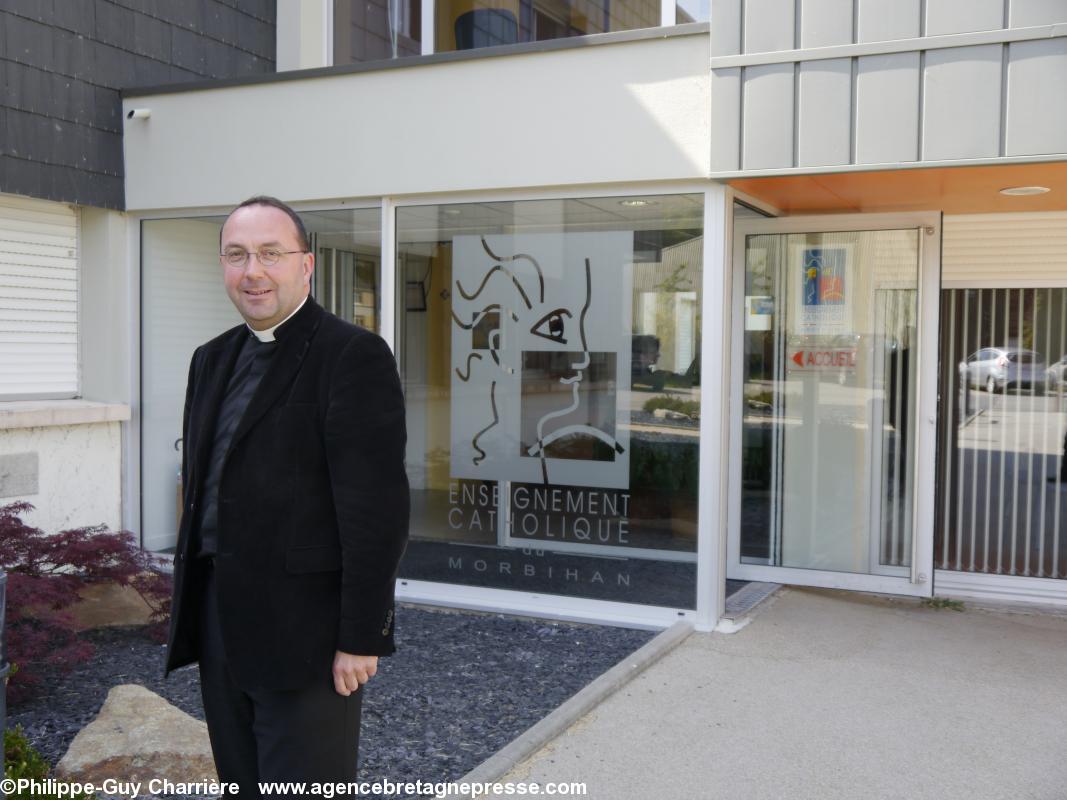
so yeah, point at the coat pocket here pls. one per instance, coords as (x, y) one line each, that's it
(321, 558)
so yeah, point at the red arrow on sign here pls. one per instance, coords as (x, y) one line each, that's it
(798, 357)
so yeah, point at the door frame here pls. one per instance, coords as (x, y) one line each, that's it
(918, 579)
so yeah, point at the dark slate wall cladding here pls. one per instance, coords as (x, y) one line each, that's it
(63, 62)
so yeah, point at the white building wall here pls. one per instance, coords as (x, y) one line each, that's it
(78, 474)
(617, 112)
(64, 337)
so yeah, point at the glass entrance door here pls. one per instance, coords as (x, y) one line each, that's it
(834, 356)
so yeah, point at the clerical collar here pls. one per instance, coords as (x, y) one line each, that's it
(268, 334)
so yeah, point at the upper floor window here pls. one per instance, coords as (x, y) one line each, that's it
(467, 24)
(370, 30)
(693, 11)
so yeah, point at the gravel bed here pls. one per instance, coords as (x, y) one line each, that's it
(461, 686)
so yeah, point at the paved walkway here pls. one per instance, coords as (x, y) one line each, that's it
(835, 695)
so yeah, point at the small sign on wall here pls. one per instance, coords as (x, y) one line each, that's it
(815, 359)
(759, 313)
(18, 475)
(824, 299)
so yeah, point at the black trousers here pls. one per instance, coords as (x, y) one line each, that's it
(310, 734)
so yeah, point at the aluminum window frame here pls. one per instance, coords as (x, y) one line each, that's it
(710, 574)
(920, 581)
(132, 443)
(991, 586)
(712, 511)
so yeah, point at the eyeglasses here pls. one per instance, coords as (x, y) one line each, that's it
(268, 256)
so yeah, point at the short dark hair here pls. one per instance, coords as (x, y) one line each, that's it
(274, 202)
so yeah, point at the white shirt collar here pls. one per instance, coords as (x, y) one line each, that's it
(268, 334)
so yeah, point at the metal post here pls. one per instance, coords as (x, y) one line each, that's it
(4, 669)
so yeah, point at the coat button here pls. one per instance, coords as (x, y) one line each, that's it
(385, 631)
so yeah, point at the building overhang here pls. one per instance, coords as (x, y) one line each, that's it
(952, 190)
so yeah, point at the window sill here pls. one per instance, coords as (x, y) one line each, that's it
(55, 413)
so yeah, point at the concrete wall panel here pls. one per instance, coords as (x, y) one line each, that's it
(1037, 99)
(963, 16)
(66, 455)
(824, 23)
(768, 117)
(769, 25)
(884, 20)
(825, 110)
(887, 109)
(961, 103)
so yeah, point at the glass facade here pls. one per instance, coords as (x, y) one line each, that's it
(693, 11)
(385, 29)
(1002, 459)
(829, 383)
(372, 30)
(468, 24)
(348, 260)
(180, 272)
(550, 354)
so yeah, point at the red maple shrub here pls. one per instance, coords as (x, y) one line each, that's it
(45, 573)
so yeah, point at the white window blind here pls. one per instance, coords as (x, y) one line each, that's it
(999, 250)
(38, 298)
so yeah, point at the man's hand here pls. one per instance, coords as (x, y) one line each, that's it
(350, 671)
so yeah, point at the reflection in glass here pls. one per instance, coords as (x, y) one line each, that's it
(829, 392)
(554, 395)
(373, 30)
(1002, 441)
(180, 259)
(347, 248)
(693, 11)
(469, 24)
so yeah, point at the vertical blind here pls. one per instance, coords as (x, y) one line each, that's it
(38, 298)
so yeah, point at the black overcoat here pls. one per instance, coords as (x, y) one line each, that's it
(312, 503)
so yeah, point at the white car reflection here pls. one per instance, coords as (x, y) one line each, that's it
(998, 368)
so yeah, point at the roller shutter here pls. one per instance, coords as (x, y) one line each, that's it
(38, 298)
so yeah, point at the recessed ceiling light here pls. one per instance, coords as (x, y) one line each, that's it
(637, 203)
(1022, 191)
(453, 212)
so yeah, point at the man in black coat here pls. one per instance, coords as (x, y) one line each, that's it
(295, 515)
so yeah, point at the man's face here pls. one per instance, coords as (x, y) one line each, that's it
(265, 295)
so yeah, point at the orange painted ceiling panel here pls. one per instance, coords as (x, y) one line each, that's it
(953, 190)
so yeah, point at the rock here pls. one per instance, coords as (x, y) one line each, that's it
(138, 736)
(106, 603)
(666, 413)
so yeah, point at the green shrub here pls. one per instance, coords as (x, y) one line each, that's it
(670, 467)
(690, 408)
(21, 760)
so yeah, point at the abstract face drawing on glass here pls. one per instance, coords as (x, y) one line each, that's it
(540, 335)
